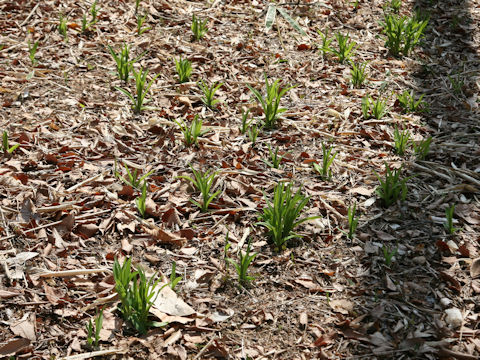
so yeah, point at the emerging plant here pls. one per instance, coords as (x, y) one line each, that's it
(191, 134)
(270, 104)
(275, 160)
(123, 62)
(392, 188)
(253, 133)
(62, 27)
(140, 22)
(184, 70)
(402, 139)
(281, 215)
(174, 279)
(132, 177)
(457, 83)
(422, 148)
(326, 42)
(448, 225)
(393, 5)
(242, 266)
(245, 123)
(86, 25)
(94, 12)
(408, 103)
(388, 254)
(377, 109)
(7, 149)
(140, 201)
(345, 47)
(137, 5)
(327, 160)
(209, 93)
(32, 50)
(403, 33)
(91, 340)
(142, 88)
(366, 105)
(203, 182)
(352, 221)
(136, 294)
(358, 74)
(199, 27)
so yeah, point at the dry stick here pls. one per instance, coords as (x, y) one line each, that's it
(29, 15)
(205, 348)
(93, 354)
(80, 184)
(66, 273)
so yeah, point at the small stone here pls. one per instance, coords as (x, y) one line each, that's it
(445, 302)
(419, 260)
(454, 317)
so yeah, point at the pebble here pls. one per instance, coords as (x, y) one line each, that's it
(419, 260)
(454, 317)
(445, 302)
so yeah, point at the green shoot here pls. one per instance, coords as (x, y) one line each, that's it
(358, 74)
(62, 27)
(174, 279)
(352, 221)
(253, 133)
(270, 104)
(199, 27)
(123, 62)
(132, 177)
(94, 13)
(184, 70)
(140, 22)
(245, 123)
(137, 5)
(326, 42)
(388, 254)
(203, 182)
(407, 102)
(422, 148)
(32, 50)
(393, 5)
(91, 340)
(209, 93)
(402, 139)
(345, 47)
(191, 134)
(366, 105)
(392, 188)
(136, 294)
(448, 225)
(403, 33)
(275, 160)
(327, 160)
(379, 108)
(142, 88)
(140, 201)
(280, 216)
(6, 146)
(242, 267)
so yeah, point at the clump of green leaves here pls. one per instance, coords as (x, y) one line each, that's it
(184, 70)
(32, 50)
(142, 88)
(136, 294)
(140, 22)
(253, 132)
(346, 47)
(358, 74)
(422, 148)
(376, 109)
(393, 188)
(275, 159)
(327, 161)
(281, 215)
(199, 27)
(192, 132)
(133, 178)
(326, 42)
(270, 104)
(141, 201)
(393, 6)
(242, 266)
(208, 97)
(123, 61)
(352, 221)
(174, 279)
(388, 254)
(62, 27)
(448, 225)
(407, 102)
(401, 139)
(403, 33)
(7, 149)
(203, 182)
(245, 123)
(86, 25)
(91, 339)
(457, 83)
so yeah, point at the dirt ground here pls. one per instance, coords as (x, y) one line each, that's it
(402, 288)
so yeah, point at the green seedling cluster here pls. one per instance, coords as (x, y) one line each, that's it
(133, 178)
(203, 182)
(422, 148)
(270, 103)
(281, 215)
(142, 87)
(208, 92)
(87, 25)
(402, 140)
(7, 149)
(403, 33)
(376, 109)
(32, 50)
(346, 47)
(136, 295)
(253, 132)
(388, 254)
(408, 103)
(393, 188)
(62, 27)
(141, 200)
(352, 221)
(245, 123)
(123, 62)
(358, 74)
(184, 70)
(174, 279)
(327, 161)
(199, 27)
(275, 159)
(94, 338)
(193, 132)
(393, 6)
(245, 259)
(325, 47)
(140, 22)
(457, 83)
(448, 225)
